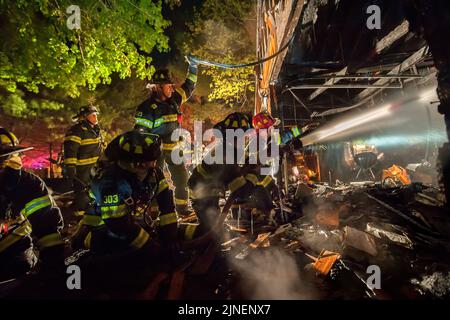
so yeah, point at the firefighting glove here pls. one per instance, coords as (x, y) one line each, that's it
(193, 64)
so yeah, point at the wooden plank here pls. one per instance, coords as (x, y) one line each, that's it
(233, 241)
(260, 240)
(325, 262)
(393, 36)
(293, 245)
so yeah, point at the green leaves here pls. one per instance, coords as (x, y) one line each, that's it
(15, 105)
(231, 86)
(38, 50)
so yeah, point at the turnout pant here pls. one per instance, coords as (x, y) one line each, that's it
(80, 184)
(179, 176)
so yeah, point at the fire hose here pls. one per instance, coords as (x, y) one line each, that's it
(239, 65)
(254, 63)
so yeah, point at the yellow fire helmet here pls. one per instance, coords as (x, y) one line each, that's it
(9, 144)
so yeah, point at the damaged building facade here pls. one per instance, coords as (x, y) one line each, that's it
(371, 179)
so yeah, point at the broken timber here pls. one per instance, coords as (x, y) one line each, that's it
(384, 43)
(401, 214)
(404, 65)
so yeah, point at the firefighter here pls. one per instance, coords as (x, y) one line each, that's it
(29, 218)
(209, 182)
(127, 186)
(160, 114)
(287, 139)
(83, 145)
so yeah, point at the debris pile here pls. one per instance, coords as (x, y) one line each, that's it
(348, 233)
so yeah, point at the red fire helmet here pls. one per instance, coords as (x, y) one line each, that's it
(263, 120)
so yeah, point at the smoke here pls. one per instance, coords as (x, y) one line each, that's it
(311, 234)
(272, 274)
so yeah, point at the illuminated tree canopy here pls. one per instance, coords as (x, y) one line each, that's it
(48, 70)
(38, 50)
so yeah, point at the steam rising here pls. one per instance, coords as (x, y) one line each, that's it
(272, 274)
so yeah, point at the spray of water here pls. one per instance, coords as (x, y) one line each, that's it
(400, 113)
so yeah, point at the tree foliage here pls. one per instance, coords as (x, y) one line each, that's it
(37, 49)
(218, 32)
(15, 105)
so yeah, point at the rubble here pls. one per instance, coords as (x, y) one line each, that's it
(261, 240)
(234, 241)
(381, 231)
(438, 284)
(325, 261)
(399, 213)
(328, 218)
(313, 237)
(395, 176)
(332, 236)
(359, 240)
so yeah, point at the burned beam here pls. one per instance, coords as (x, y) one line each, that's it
(393, 36)
(384, 43)
(399, 213)
(406, 64)
(299, 101)
(345, 86)
(292, 19)
(329, 82)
